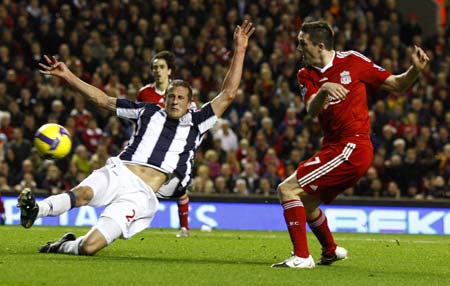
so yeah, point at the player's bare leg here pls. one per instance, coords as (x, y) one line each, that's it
(318, 223)
(295, 217)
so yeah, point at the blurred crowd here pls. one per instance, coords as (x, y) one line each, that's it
(266, 131)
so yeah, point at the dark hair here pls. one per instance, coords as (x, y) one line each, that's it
(169, 57)
(182, 83)
(319, 32)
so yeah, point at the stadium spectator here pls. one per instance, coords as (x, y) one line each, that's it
(234, 164)
(392, 190)
(27, 168)
(227, 173)
(244, 129)
(364, 184)
(28, 182)
(53, 182)
(16, 113)
(251, 177)
(127, 190)
(241, 188)
(20, 146)
(252, 159)
(436, 188)
(220, 186)
(115, 135)
(228, 139)
(99, 158)
(81, 160)
(92, 135)
(333, 83)
(265, 188)
(5, 125)
(81, 114)
(202, 182)
(242, 151)
(72, 176)
(376, 188)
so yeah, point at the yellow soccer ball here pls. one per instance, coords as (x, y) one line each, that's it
(52, 141)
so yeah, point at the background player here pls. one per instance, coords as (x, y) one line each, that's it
(333, 87)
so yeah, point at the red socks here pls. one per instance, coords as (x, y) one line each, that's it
(294, 214)
(183, 212)
(319, 227)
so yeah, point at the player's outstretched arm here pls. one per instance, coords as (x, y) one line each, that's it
(404, 81)
(233, 77)
(56, 68)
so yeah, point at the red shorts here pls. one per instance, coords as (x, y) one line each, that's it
(335, 168)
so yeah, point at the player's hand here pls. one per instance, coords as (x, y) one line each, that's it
(419, 58)
(334, 90)
(53, 67)
(242, 33)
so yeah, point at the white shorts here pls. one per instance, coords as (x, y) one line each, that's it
(129, 200)
(169, 188)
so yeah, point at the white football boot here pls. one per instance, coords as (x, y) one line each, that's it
(184, 232)
(296, 262)
(339, 254)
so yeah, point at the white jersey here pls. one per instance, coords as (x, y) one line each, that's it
(161, 142)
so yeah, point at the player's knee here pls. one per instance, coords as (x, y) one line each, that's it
(83, 195)
(285, 192)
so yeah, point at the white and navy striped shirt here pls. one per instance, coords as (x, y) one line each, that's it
(163, 143)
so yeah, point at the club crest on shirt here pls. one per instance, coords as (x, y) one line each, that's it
(345, 77)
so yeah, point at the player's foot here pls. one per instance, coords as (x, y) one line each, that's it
(54, 247)
(296, 262)
(28, 208)
(339, 254)
(184, 232)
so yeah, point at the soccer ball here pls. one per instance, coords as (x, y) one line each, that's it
(52, 141)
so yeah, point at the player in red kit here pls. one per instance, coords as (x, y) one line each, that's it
(163, 66)
(333, 87)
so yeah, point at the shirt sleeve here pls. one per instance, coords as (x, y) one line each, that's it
(307, 88)
(130, 109)
(370, 73)
(204, 118)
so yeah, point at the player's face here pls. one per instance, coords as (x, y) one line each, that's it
(177, 101)
(309, 51)
(160, 70)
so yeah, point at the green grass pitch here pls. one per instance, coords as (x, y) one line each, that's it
(157, 257)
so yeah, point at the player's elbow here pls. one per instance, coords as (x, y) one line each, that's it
(229, 94)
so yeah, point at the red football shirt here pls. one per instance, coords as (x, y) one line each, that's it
(150, 93)
(341, 119)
